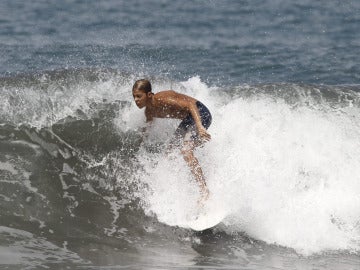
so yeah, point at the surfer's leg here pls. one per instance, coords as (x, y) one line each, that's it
(180, 132)
(188, 153)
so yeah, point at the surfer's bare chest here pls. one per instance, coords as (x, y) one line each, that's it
(166, 111)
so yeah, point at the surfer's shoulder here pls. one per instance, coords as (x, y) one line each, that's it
(165, 93)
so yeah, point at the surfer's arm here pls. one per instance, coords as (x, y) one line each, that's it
(196, 116)
(149, 120)
(183, 102)
(148, 115)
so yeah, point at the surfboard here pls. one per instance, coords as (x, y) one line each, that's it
(206, 220)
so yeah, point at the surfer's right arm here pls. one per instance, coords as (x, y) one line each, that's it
(149, 119)
(148, 115)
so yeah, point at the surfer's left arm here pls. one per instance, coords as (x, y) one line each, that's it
(197, 118)
(184, 102)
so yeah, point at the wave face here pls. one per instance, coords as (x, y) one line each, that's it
(79, 182)
(283, 163)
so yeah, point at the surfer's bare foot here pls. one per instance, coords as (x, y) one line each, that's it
(205, 194)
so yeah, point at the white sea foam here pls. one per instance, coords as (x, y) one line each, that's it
(287, 176)
(47, 101)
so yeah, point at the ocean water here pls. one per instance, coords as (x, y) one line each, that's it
(80, 188)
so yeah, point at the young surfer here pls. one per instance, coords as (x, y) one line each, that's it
(192, 131)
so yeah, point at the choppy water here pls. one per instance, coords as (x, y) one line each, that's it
(80, 189)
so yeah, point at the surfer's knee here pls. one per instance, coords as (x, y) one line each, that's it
(187, 154)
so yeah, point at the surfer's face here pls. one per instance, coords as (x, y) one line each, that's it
(140, 98)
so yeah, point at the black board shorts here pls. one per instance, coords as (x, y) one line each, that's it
(187, 128)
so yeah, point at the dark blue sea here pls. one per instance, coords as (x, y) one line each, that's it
(82, 188)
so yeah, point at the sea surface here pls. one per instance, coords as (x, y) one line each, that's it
(82, 188)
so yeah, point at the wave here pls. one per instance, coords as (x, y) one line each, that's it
(285, 169)
(283, 161)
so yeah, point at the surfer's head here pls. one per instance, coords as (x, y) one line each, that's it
(143, 85)
(142, 92)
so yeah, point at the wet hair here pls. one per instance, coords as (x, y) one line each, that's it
(143, 85)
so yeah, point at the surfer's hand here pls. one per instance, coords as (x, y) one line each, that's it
(169, 151)
(204, 135)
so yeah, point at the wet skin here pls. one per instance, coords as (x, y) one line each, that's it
(170, 104)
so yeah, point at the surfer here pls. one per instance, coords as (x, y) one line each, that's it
(191, 132)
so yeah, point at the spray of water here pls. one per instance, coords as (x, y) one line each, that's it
(284, 175)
